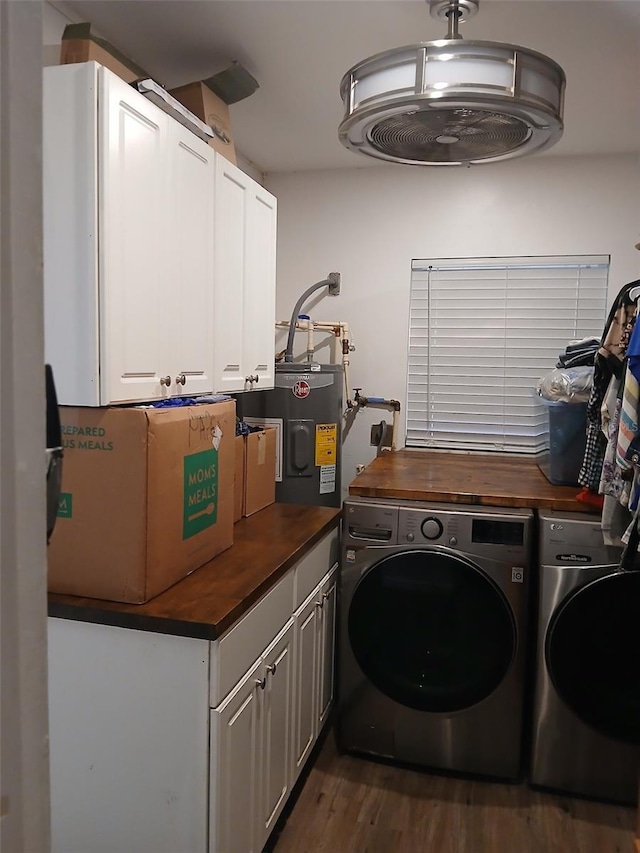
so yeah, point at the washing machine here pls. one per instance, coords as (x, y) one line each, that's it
(586, 710)
(432, 634)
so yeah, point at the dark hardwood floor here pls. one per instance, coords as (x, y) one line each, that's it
(348, 804)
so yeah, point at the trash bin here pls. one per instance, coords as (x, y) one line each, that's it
(567, 438)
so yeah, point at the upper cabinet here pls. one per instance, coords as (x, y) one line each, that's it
(133, 291)
(132, 216)
(190, 298)
(245, 273)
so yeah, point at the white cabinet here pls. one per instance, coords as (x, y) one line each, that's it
(155, 738)
(159, 255)
(249, 754)
(245, 274)
(326, 651)
(306, 663)
(275, 750)
(128, 246)
(264, 728)
(189, 301)
(251, 726)
(132, 277)
(314, 667)
(234, 767)
(128, 726)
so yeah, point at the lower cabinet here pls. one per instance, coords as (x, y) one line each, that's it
(128, 726)
(314, 661)
(250, 749)
(276, 686)
(156, 739)
(326, 675)
(264, 726)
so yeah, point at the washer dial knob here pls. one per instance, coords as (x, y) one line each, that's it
(431, 528)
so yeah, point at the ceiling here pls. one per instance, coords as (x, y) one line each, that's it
(298, 50)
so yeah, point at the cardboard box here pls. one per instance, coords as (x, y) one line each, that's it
(147, 497)
(212, 110)
(259, 470)
(238, 484)
(80, 44)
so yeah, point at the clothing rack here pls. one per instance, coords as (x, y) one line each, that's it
(611, 464)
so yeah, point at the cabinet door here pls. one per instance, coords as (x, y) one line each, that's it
(260, 287)
(245, 277)
(230, 259)
(235, 767)
(306, 621)
(134, 240)
(326, 647)
(190, 300)
(276, 730)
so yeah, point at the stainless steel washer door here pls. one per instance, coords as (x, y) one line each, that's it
(431, 630)
(592, 652)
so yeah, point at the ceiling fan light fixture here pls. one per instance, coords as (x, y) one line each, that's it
(452, 101)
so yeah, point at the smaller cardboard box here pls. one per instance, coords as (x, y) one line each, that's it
(259, 470)
(147, 497)
(238, 485)
(81, 44)
(212, 110)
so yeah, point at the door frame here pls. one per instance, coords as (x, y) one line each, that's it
(24, 758)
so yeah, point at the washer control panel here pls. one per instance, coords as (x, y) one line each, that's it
(497, 533)
(474, 530)
(431, 528)
(422, 526)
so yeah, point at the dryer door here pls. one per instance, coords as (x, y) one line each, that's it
(592, 652)
(431, 630)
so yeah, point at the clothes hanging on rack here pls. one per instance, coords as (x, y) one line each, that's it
(609, 363)
(611, 480)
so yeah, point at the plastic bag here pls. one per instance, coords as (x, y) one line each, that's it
(566, 384)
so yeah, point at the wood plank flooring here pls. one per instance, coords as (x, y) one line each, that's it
(353, 805)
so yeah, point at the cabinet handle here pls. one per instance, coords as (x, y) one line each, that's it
(272, 668)
(320, 603)
(165, 380)
(325, 596)
(181, 379)
(261, 683)
(251, 378)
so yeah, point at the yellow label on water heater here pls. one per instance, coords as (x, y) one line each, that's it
(326, 440)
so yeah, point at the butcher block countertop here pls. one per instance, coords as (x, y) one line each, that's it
(208, 601)
(465, 478)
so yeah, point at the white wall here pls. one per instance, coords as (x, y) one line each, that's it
(53, 24)
(369, 223)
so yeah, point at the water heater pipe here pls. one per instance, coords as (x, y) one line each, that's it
(333, 283)
(340, 331)
(381, 402)
(342, 347)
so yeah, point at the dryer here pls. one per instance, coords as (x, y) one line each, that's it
(432, 634)
(586, 712)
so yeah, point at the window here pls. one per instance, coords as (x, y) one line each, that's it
(481, 333)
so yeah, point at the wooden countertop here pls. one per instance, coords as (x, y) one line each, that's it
(468, 478)
(208, 601)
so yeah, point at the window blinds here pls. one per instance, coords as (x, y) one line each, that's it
(481, 333)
